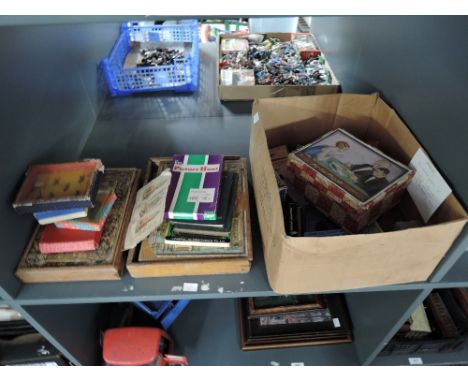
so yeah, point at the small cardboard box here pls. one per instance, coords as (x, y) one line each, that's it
(309, 264)
(320, 171)
(238, 93)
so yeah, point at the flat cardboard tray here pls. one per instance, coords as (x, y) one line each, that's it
(246, 93)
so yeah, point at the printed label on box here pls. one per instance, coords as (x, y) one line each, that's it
(201, 195)
(415, 361)
(427, 189)
(336, 323)
(190, 287)
(255, 118)
(226, 77)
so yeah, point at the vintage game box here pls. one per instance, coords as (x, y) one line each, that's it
(194, 189)
(59, 186)
(348, 180)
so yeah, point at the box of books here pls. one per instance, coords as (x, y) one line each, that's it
(414, 236)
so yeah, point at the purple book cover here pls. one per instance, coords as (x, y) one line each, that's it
(194, 189)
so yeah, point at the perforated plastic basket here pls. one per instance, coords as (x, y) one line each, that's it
(182, 76)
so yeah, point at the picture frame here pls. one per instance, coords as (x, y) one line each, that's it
(327, 325)
(283, 304)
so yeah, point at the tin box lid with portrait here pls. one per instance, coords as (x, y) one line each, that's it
(360, 170)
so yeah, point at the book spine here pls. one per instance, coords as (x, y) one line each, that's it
(442, 316)
(91, 225)
(461, 295)
(47, 248)
(456, 312)
(81, 226)
(48, 206)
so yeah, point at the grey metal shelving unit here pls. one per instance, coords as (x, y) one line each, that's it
(65, 98)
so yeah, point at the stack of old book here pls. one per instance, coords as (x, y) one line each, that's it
(206, 227)
(439, 324)
(71, 202)
(67, 200)
(294, 320)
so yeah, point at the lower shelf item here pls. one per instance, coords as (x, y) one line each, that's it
(290, 321)
(439, 325)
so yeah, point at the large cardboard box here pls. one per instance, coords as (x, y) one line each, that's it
(301, 265)
(238, 93)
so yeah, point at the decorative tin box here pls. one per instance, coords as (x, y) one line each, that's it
(350, 181)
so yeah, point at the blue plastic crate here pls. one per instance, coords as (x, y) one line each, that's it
(182, 76)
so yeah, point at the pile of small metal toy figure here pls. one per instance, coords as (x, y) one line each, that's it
(277, 62)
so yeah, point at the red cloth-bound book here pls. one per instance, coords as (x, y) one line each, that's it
(57, 240)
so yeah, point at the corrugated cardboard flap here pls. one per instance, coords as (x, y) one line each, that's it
(360, 261)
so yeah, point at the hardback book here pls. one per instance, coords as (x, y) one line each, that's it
(461, 295)
(197, 240)
(106, 262)
(97, 215)
(442, 317)
(48, 217)
(59, 186)
(155, 248)
(458, 316)
(222, 225)
(57, 240)
(194, 189)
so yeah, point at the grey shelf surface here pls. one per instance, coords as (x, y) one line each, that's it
(455, 358)
(208, 333)
(128, 131)
(252, 284)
